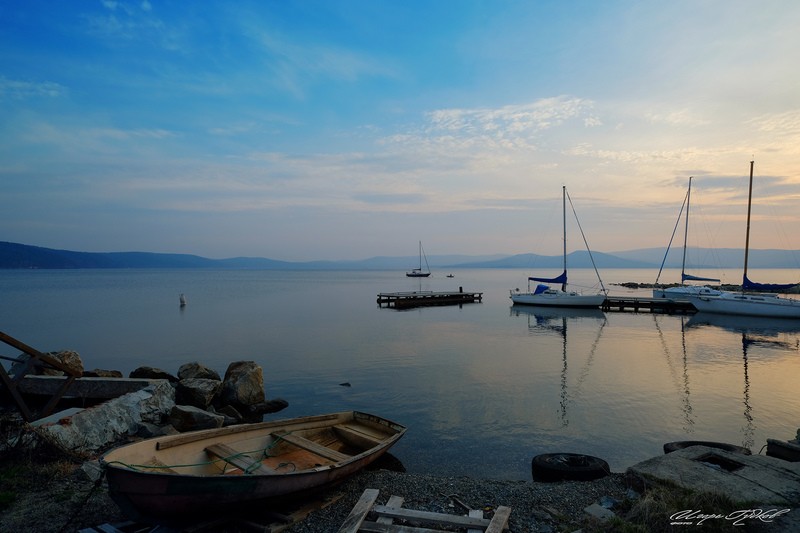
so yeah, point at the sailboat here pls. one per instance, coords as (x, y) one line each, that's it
(749, 303)
(680, 293)
(418, 272)
(545, 295)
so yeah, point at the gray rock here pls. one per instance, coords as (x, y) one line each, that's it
(91, 470)
(231, 415)
(147, 430)
(269, 406)
(243, 385)
(598, 511)
(197, 392)
(89, 430)
(188, 418)
(197, 370)
(148, 372)
(67, 357)
(100, 373)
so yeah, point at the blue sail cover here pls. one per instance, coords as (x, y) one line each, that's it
(748, 285)
(560, 279)
(540, 289)
(689, 277)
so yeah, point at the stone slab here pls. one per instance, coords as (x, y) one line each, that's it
(89, 430)
(745, 479)
(94, 388)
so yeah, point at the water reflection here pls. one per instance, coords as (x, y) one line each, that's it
(746, 324)
(682, 382)
(770, 333)
(555, 320)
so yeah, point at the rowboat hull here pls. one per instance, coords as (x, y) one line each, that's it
(167, 479)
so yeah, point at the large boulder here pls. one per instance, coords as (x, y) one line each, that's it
(197, 370)
(243, 386)
(267, 407)
(196, 392)
(102, 373)
(90, 430)
(69, 359)
(188, 418)
(148, 372)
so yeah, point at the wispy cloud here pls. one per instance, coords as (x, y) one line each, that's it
(22, 90)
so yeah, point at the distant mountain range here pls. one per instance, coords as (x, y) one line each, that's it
(22, 256)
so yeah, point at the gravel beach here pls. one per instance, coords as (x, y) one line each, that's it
(69, 502)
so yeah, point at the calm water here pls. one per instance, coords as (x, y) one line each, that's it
(483, 388)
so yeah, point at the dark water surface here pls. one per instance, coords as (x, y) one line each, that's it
(483, 387)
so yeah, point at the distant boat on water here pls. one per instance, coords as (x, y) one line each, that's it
(182, 300)
(749, 302)
(418, 272)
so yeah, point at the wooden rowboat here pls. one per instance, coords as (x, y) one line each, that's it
(211, 471)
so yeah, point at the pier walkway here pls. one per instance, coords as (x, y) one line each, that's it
(640, 303)
(405, 300)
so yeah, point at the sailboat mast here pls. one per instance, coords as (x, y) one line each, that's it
(686, 232)
(747, 238)
(420, 255)
(564, 225)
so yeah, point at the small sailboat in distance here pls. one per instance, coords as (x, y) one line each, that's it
(418, 272)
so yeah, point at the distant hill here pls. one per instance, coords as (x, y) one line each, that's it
(23, 256)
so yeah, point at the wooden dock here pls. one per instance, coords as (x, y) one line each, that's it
(406, 300)
(637, 303)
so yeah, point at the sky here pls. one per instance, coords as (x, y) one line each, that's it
(304, 130)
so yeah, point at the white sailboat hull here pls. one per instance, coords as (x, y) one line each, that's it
(683, 292)
(553, 298)
(733, 303)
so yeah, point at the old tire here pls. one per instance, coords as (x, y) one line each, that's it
(681, 444)
(572, 466)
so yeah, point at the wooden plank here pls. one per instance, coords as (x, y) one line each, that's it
(499, 520)
(430, 517)
(374, 527)
(358, 436)
(394, 501)
(311, 446)
(26, 412)
(33, 352)
(193, 436)
(238, 459)
(363, 506)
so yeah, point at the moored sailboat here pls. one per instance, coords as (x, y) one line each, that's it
(418, 272)
(544, 295)
(682, 291)
(747, 302)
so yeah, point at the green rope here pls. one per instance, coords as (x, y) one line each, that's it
(249, 470)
